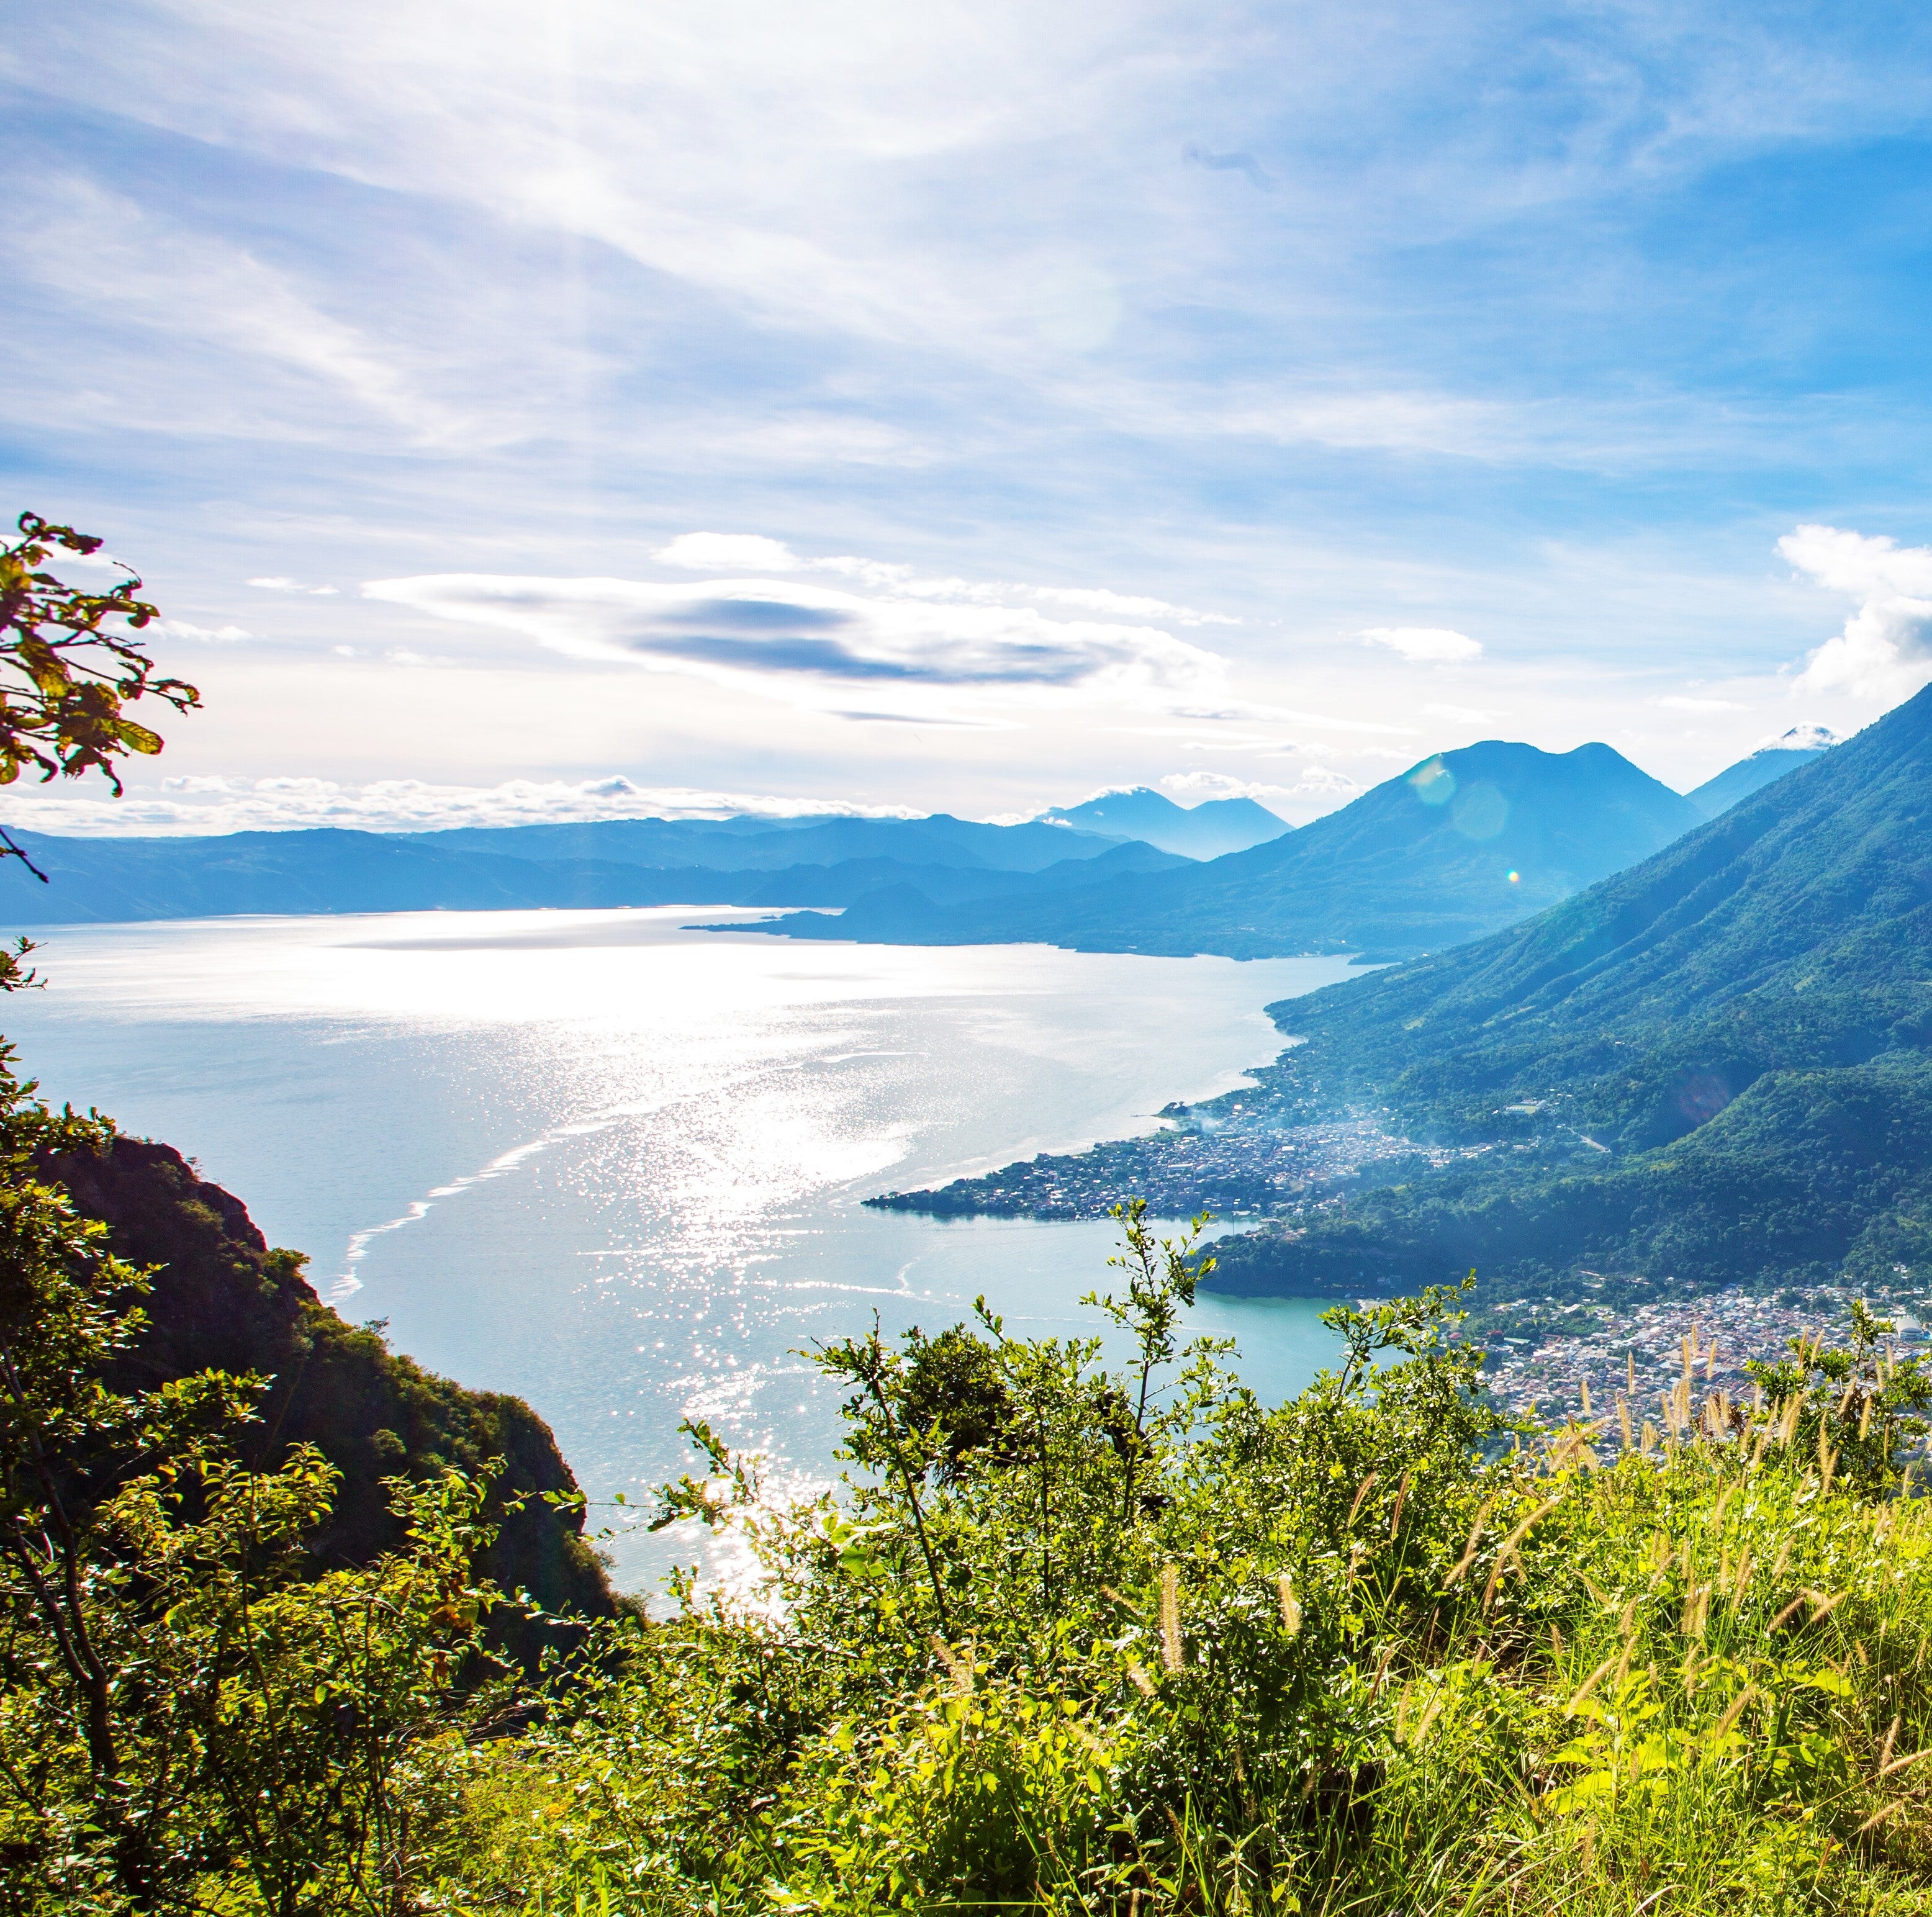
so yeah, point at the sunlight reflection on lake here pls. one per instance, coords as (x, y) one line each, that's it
(614, 1164)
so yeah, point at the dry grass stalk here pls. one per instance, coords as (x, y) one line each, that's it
(1430, 1712)
(1891, 1738)
(1588, 1685)
(1789, 1612)
(1777, 1569)
(1865, 1419)
(1623, 1419)
(960, 1668)
(1740, 1582)
(1170, 1618)
(1697, 1611)
(1291, 1606)
(1381, 1672)
(1401, 1498)
(1736, 1709)
(1629, 1372)
(1140, 1680)
(1649, 1436)
(1362, 1492)
(1711, 1362)
(1510, 1543)
(1879, 1816)
(1899, 1763)
(1787, 1428)
(1468, 1556)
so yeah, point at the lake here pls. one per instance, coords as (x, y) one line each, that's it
(613, 1164)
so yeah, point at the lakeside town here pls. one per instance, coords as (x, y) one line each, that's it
(1553, 1355)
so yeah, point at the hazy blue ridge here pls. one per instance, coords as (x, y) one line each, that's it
(741, 845)
(893, 910)
(1750, 775)
(1458, 846)
(1205, 831)
(1713, 1068)
(826, 863)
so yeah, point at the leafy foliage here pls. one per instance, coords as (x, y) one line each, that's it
(188, 1714)
(1373, 1650)
(75, 666)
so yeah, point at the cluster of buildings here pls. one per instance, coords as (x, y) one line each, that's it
(1640, 1353)
(1233, 1168)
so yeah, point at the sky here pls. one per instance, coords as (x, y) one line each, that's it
(568, 410)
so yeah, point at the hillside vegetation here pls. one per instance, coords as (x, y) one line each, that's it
(1064, 1640)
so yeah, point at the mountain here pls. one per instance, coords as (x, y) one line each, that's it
(1457, 846)
(618, 862)
(1205, 831)
(744, 844)
(1798, 747)
(1713, 1068)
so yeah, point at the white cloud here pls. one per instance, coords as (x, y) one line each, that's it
(1684, 702)
(1316, 782)
(1467, 715)
(1424, 645)
(1127, 605)
(1222, 785)
(181, 628)
(728, 552)
(278, 583)
(1885, 647)
(204, 803)
(812, 645)
(1808, 737)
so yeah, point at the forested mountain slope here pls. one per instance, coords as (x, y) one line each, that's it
(1713, 1066)
(223, 1298)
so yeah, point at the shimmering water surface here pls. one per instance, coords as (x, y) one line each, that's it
(614, 1164)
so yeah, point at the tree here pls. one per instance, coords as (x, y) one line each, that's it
(70, 667)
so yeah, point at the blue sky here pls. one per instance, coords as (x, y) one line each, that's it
(542, 410)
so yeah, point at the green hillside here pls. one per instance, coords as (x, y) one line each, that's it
(1713, 1067)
